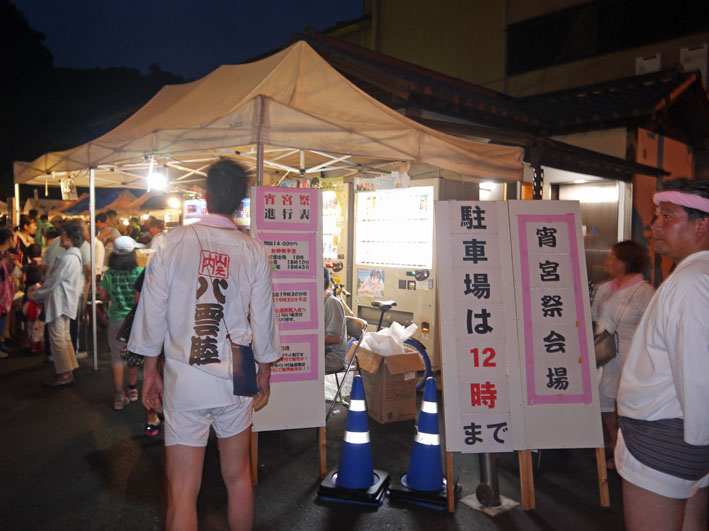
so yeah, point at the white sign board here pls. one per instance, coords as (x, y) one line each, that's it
(516, 341)
(289, 223)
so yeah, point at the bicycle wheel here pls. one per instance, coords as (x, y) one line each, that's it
(416, 344)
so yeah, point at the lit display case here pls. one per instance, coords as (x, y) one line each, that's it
(395, 228)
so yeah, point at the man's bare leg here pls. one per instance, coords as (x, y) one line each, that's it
(643, 510)
(235, 461)
(695, 512)
(184, 477)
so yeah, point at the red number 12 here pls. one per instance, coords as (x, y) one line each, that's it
(488, 361)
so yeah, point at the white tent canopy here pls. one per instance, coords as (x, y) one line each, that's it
(291, 113)
(307, 117)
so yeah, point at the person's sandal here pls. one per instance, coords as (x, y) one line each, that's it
(152, 430)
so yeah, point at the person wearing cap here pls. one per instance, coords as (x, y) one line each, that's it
(662, 452)
(61, 292)
(117, 287)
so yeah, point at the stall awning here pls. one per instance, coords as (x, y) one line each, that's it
(293, 99)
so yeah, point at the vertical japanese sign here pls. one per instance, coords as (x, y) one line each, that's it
(478, 337)
(289, 223)
(559, 387)
(515, 344)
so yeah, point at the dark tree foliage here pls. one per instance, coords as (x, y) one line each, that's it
(43, 108)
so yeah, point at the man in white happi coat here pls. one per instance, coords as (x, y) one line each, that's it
(207, 281)
(662, 452)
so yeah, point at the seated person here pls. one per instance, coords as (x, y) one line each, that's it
(335, 330)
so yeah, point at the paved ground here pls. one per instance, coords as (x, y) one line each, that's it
(70, 462)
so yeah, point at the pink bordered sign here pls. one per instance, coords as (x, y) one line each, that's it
(557, 361)
(289, 209)
(292, 255)
(295, 305)
(299, 361)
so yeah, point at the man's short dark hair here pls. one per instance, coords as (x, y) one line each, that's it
(111, 214)
(698, 187)
(102, 217)
(33, 213)
(155, 222)
(328, 277)
(34, 251)
(5, 234)
(74, 230)
(226, 187)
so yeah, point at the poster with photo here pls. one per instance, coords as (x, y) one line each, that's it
(370, 283)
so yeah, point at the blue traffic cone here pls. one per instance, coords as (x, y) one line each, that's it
(356, 470)
(424, 483)
(425, 471)
(356, 480)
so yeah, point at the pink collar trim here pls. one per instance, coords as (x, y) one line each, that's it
(635, 279)
(216, 220)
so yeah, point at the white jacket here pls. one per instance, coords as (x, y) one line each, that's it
(168, 311)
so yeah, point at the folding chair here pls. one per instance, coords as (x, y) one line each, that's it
(355, 331)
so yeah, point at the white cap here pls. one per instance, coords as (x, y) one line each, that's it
(125, 245)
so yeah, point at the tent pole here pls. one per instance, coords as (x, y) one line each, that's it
(259, 164)
(18, 206)
(92, 273)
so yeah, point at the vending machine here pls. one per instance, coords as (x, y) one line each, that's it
(394, 255)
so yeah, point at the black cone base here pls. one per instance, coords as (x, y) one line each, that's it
(437, 499)
(373, 496)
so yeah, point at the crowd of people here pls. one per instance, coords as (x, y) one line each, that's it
(653, 393)
(45, 280)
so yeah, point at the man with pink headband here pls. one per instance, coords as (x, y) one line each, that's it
(662, 452)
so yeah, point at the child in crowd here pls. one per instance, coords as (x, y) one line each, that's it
(32, 311)
(117, 286)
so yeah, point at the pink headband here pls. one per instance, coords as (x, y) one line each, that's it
(682, 199)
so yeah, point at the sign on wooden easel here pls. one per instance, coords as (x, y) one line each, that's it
(517, 356)
(289, 223)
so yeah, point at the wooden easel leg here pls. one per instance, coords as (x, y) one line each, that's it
(323, 452)
(450, 487)
(254, 458)
(526, 479)
(602, 477)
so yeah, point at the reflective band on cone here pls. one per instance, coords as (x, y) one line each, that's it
(357, 405)
(429, 407)
(427, 438)
(356, 470)
(357, 437)
(425, 472)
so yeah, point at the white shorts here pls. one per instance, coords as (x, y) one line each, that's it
(191, 428)
(633, 471)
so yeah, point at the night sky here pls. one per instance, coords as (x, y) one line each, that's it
(185, 37)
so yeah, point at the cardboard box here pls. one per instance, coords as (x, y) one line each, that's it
(389, 383)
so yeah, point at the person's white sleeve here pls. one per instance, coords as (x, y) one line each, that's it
(99, 257)
(150, 324)
(687, 341)
(54, 278)
(264, 325)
